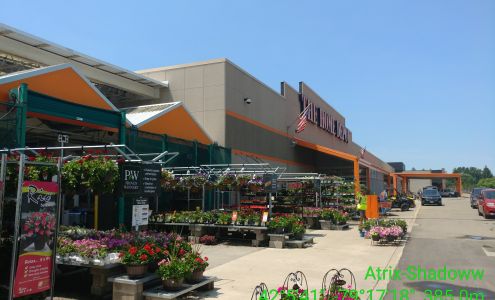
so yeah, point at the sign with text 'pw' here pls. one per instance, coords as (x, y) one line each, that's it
(138, 179)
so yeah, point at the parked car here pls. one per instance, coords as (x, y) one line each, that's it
(447, 193)
(486, 203)
(430, 187)
(431, 196)
(475, 192)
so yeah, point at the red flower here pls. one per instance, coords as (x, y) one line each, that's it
(158, 250)
(206, 258)
(132, 250)
(182, 252)
(143, 257)
(121, 254)
(198, 259)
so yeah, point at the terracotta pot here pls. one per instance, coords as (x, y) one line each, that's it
(136, 271)
(172, 284)
(195, 276)
(39, 243)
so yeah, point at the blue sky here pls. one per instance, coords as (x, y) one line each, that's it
(414, 79)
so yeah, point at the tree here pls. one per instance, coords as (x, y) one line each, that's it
(487, 182)
(486, 173)
(467, 181)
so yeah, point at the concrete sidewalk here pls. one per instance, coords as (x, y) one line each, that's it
(333, 249)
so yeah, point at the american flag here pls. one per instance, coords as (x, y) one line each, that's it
(303, 120)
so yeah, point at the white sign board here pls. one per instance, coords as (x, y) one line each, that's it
(140, 215)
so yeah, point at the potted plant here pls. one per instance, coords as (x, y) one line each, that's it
(136, 259)
(168, 181)
(298, 229)
(326, 220)
(278, 225)
(255, 184)
(254, 219)
(242, 180)
(224, 219)
(376, 233)
(197, 264)
(172, 272)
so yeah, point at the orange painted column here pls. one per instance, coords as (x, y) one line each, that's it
(357, 188)
(372, 207)
(394, 179)
(404, 184)
(459, 185)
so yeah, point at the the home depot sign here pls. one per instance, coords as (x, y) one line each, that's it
(324, 120)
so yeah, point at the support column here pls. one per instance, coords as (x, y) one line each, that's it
(357, 187)
(404, 184)
(121, 201)
(459, 186)
(394, 178)
(21, 115)
(368, 180)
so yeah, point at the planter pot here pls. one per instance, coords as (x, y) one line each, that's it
(298, 236)
(391, 238)
(172, 284)
(375, 238)
(325, 224)
(362, 233)
(39, 243)
(195, 276)
(136, 271)
(278, 230)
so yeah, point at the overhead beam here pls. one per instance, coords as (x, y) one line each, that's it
(23, 50)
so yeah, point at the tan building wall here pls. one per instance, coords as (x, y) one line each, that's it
(201, 86)
(214, 92)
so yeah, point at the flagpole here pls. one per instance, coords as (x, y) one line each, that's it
(298, 117)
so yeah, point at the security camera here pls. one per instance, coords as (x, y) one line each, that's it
(248, 100)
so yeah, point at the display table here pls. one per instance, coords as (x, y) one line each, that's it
(198, 230)
(125, 288)
(100, 285)
(158, 293)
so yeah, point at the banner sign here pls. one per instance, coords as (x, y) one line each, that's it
(137, 179)
(38, 221)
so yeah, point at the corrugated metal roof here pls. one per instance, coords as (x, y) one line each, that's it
(145, 113)
(70, 54)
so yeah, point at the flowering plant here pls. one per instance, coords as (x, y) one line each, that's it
(173, 268)
(100, 174)
(208, 240)
(41, 172)
(39, 224)
(168, 181)
(196, 262)
(139, 255)
(89, 248)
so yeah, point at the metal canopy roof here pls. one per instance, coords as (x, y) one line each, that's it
(34, 41)
(139, 114)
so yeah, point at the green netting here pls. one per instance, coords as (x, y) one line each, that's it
(7, 126)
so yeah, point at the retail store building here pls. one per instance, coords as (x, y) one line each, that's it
(211, 112)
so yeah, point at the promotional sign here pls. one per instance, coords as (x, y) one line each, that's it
(137, 179)
(38, 221)
(151, 179)
(270, 183)
(130, 178)
(140, 211)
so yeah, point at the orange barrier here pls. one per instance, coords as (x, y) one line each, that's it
(372, 207)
